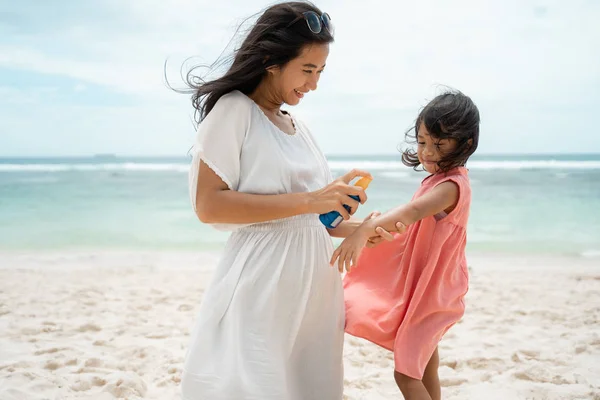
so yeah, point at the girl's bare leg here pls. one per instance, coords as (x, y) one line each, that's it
(412, 389)
(431, 380)
(426, 389)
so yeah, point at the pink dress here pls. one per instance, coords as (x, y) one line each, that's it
(405, 294)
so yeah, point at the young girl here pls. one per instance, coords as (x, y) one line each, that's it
(406, 293)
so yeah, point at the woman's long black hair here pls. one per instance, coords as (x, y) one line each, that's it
(277, 37)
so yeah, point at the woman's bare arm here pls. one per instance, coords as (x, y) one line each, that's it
(215, 203)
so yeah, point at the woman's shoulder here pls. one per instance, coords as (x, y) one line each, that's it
(235, 98)
(229, 108)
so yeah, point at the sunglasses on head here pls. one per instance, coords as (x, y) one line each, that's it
(316, 22)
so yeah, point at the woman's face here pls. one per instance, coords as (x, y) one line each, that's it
(301, 74)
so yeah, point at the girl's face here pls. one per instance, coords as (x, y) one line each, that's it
(300, 75)
(431, 150)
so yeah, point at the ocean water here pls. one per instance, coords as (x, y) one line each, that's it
(540, 204)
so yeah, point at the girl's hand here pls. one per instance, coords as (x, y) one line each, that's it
(347, 253)
(333, 196)
(382, 234)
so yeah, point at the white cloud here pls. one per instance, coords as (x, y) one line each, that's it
(516, 59)
(29, 97)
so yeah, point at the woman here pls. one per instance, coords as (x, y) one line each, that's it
(271, 323)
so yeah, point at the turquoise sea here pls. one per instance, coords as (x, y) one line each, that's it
(532, 204)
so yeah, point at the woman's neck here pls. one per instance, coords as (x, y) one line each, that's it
(266, 99)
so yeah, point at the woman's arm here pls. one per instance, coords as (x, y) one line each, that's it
(345, 228)
(215, 203)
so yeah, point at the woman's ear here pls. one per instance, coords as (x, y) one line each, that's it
(272, 69)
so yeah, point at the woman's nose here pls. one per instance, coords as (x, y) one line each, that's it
(312, 82)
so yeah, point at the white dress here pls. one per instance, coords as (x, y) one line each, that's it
(271, 323)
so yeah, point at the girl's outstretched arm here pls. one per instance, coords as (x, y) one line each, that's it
(441, 198)
(346, 228)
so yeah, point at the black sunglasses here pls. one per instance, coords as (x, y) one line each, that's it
(316, 22)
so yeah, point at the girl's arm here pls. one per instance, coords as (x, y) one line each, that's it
(347, 228)
(443, 197)
(215, 203)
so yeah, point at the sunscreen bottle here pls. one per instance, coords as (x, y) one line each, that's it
(333, 218)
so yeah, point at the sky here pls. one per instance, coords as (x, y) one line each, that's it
(85, 78)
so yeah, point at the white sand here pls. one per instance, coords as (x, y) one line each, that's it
(107, 325)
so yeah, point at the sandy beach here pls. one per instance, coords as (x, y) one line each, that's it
(109, 325)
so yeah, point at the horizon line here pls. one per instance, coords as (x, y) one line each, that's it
(121, 156)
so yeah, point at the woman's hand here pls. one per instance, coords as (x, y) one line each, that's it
(333, 196)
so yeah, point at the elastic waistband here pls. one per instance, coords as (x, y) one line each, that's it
(295, 222)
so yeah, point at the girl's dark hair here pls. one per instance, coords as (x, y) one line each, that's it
(277, 37)
(451, 115)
